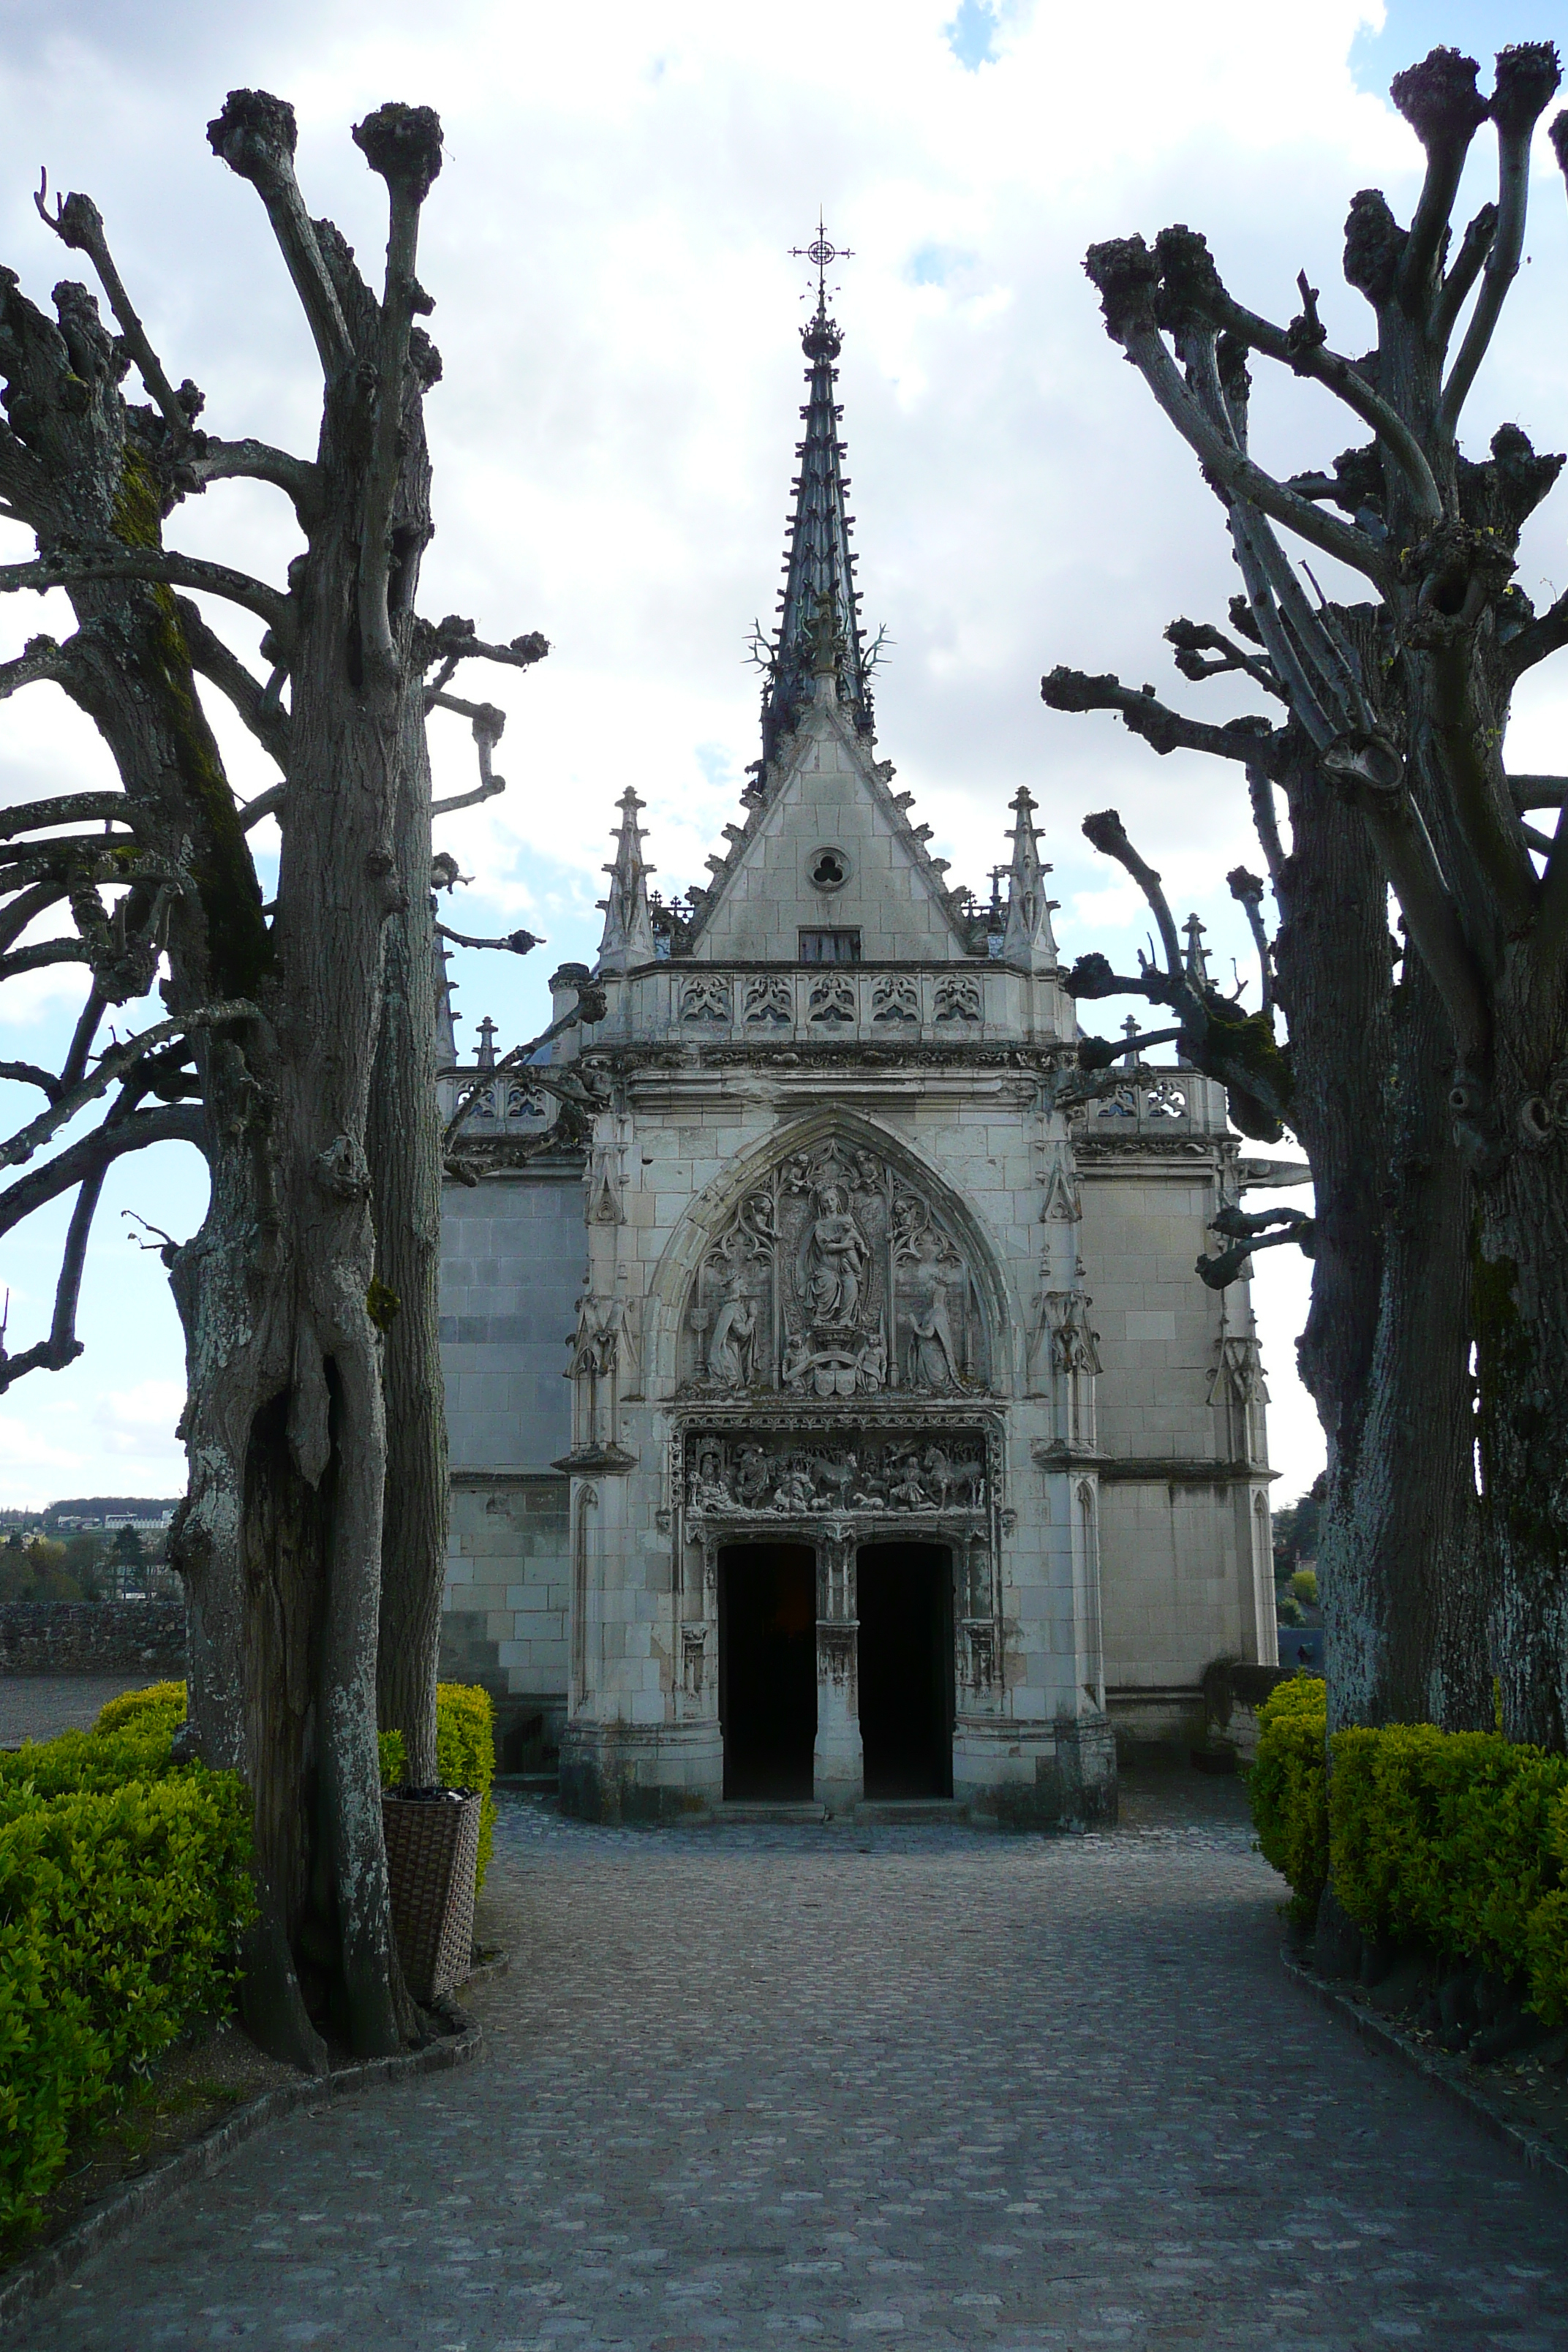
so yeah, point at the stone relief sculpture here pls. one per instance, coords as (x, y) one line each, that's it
(775, 1476)
(836, 1278)
(705, 998)
(958, 999)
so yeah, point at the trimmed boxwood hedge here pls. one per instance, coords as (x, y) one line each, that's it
(124, 1888)
(1458, 1838)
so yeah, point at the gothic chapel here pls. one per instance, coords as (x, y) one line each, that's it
(836, 1421)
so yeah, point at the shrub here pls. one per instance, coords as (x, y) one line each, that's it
(119, 1915)
(161, 1701)
(1304, 1585)
(1288, 1787)
(1458, 1838)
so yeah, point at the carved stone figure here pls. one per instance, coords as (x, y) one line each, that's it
(730, 1350)
(933, 1358)
(833, 1259)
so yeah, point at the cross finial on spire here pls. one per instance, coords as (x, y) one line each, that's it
(821, 253)
(1030, 939)
(628, 926)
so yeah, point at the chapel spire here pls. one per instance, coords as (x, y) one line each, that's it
(819, 620)
(1028, 940)
(628, 926)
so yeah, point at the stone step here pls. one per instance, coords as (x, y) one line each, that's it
(744, 1810)
(892, 1813)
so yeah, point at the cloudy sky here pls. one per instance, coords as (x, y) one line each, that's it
(608, 245)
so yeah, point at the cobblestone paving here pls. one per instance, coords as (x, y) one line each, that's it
(760, 2087)
(41, 1706)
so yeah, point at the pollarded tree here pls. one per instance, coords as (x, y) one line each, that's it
(298, 1046)
(1454, 1159)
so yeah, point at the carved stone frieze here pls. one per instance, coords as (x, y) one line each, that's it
(836, 1277)
(834, 1476)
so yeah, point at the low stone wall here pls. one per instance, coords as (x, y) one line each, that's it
(93, 1637)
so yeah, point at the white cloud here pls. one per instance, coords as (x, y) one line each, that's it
(141, 1420)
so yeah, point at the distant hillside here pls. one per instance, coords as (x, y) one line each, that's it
(98, 1507)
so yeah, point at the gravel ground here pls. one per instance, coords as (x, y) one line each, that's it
(750, 2086)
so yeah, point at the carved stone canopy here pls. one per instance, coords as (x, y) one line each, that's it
(836, 1277)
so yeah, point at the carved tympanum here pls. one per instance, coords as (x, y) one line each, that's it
(836, 1277)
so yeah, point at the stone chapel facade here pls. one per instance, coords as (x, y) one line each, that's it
(838, 1417)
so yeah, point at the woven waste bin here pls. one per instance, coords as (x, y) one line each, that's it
(432, 1854)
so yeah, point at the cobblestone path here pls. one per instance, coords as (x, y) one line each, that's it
(748, 2088)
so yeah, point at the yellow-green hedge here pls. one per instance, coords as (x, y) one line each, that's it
(120, 1909)
(1288, 1787)
(144, 1721)
(1457, 1838)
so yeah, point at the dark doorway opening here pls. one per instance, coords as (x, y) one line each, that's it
(767, 1670)
(905, 1601)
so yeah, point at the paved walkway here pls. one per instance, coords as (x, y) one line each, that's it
(750, 2088)
(41, 1706)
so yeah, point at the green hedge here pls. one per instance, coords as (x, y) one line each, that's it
(119, 1913)
(143, 1724)
(1459, 1839)
(124, 1884)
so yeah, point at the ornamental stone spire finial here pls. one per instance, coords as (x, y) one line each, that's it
(628, 926)
(1197, 962)
(820, 606)
(1028, 940)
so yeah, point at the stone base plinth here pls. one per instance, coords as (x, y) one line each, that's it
(640, 1773)
(1036, 1776)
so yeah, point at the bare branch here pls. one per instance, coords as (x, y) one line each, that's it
(1247, 891)
(27, 907)
(255, 135)
(403, 145)
(1526, 78)
(1260, 793)
(1250, 741)
(519, 942)
(28, 1073)
(1463, 271)
(1227, 468)
(257, 461)
(41, 658)
(1439, 100)
(42, 953)
(78, 223)
(170, 1123)
(1370, 774)
(166, 565)
(1548, 634)
(1109, 835)
(267, 804)
(1192, 639)
(259, 709)
(1485, 818)
(452, 640)
(114, 1067)
(85, 1029)
(1295, 1229)
(70, 808)
(488, 726)
(1538, 791)
(589, 1008)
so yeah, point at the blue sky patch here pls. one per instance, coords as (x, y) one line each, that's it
(972, 35)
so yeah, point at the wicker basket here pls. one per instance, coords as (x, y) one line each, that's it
(432, 1853)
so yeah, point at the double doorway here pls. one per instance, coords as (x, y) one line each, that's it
(769, 1670)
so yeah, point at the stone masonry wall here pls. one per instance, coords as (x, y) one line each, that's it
(504, 1611)
(93, 1637)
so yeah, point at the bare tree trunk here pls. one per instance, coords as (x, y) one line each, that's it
(405, 1166)
(1384, 1352)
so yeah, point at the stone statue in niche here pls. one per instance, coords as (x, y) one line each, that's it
(836, 1278)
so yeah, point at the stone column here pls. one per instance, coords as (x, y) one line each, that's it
(839, 1778)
